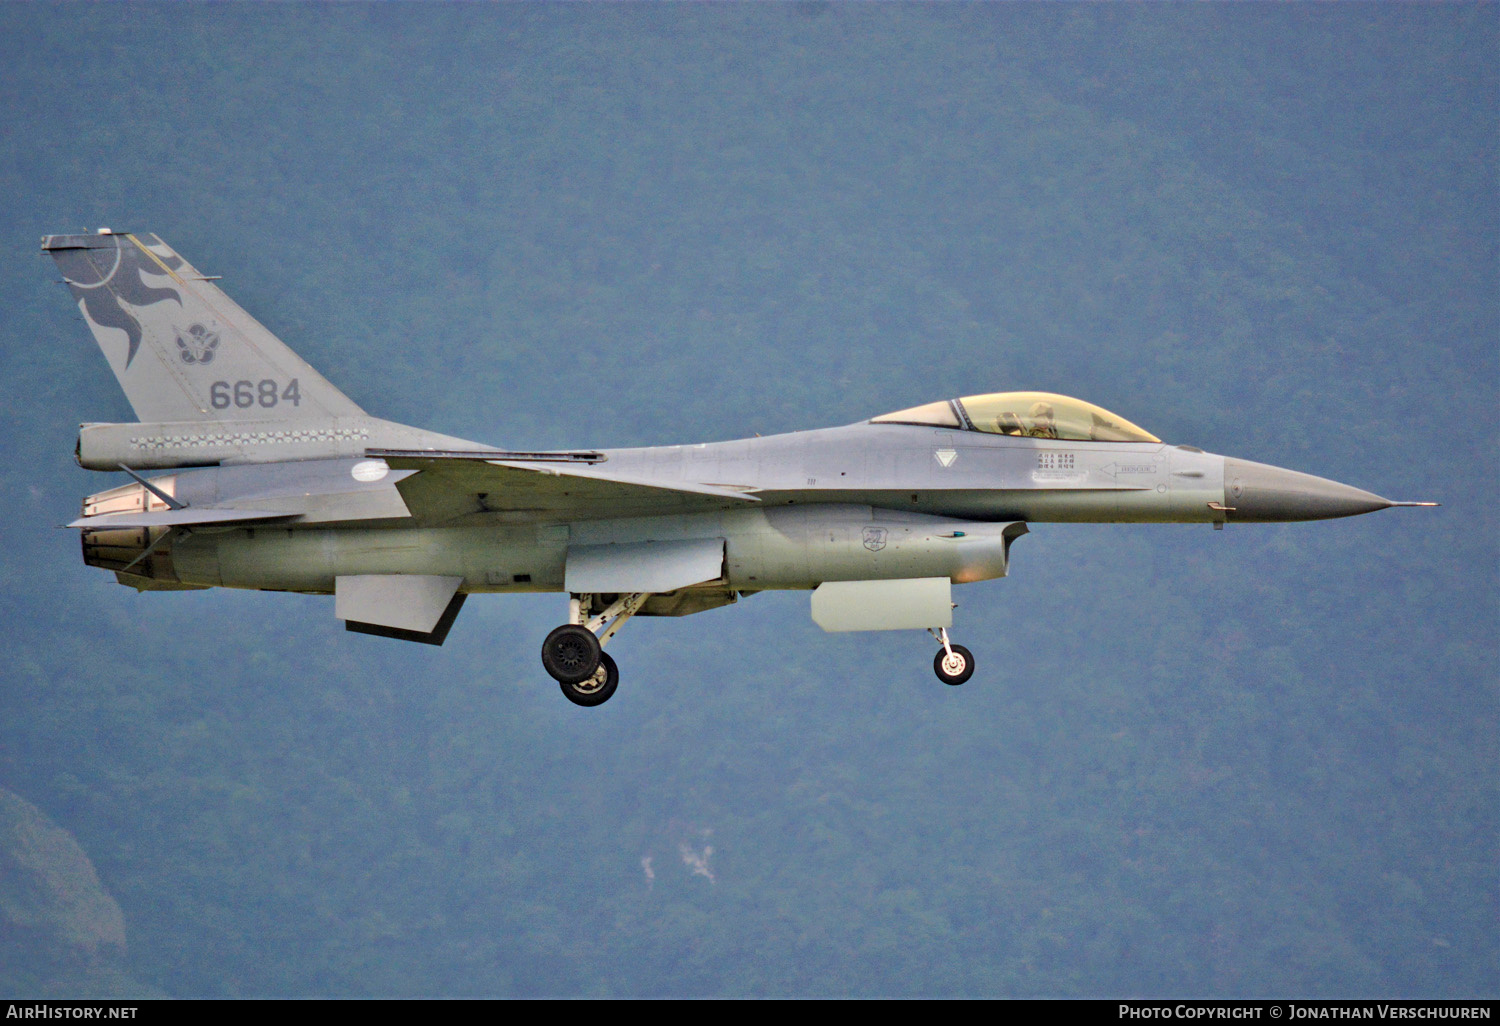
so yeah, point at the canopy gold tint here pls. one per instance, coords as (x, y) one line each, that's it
(1025, 415)
(939, 414)
(1045, 415)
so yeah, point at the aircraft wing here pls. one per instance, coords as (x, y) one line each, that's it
(540, 485)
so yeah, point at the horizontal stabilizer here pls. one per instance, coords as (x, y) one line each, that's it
(652, 567)
(188, 516)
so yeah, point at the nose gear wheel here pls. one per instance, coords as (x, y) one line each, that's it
(953, 665)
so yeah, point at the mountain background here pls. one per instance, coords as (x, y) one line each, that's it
(1254, 762)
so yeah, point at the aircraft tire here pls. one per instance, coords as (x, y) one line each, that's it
(598, 688)
(570, 655)
(957, 670)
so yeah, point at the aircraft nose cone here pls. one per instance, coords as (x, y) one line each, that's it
(1261, 492)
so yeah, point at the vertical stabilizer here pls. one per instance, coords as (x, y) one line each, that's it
(182, 349)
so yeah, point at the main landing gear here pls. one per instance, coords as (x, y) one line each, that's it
(573, 654)
(953, 664)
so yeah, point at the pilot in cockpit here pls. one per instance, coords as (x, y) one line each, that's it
(1043, 421)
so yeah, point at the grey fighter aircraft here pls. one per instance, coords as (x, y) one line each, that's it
(277, 481)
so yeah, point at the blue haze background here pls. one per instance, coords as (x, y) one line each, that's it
(1256, 762)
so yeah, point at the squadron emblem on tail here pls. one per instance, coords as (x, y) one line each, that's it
(197, 344)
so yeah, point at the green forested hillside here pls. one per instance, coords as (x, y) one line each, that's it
(1256, 762)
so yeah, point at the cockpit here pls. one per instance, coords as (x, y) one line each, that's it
(1024, 415)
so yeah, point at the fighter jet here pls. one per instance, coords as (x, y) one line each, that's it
(279, 482)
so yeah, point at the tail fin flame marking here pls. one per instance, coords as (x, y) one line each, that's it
(190, 353)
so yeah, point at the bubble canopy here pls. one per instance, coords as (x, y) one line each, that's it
(1024, 415)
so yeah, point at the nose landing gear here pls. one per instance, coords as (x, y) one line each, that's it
(953, 664)
(573, 654)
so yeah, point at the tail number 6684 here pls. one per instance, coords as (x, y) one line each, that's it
(246, 394)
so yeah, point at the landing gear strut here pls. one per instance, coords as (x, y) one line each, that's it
(573, 653)
(953, 664)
